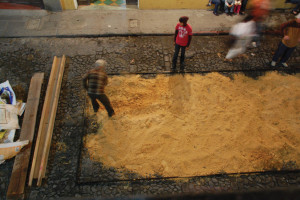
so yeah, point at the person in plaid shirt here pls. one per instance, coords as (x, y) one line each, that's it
(94, 82)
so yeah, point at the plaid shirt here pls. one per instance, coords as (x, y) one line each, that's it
(95, 81)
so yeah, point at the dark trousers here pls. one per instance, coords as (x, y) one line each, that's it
(244, 4)
(104, 100)
(222, 6)
(284, 52)
(217, 4)
(297, 6)
(182, 56)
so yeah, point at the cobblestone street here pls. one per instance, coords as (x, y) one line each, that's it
(70, 173)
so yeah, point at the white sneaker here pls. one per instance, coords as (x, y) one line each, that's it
(273, 63)
(284, 64)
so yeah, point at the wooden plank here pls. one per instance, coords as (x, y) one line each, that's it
(19, 172)
(43, 123)
(62, 65)
(51, 122)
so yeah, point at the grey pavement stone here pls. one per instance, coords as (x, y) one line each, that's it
(33, 24)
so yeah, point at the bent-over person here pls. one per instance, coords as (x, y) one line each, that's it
(94, 82)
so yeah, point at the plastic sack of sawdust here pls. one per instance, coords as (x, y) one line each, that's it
(10, 150)
(7, 96)
(9, 115)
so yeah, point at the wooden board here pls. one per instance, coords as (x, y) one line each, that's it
(62, 68)
(19, 172)
(54, 103)
(43, 123)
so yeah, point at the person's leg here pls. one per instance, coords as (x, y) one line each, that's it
(238, 9)
(217, 4)
(175, 56)
(243, 7)
(182, 57)
(287, 54)
(279, 52)
(222, 5)
(226, 10)
(231, 9)
(235, 9)
(105, 101)
(94, 102)
(296, 9)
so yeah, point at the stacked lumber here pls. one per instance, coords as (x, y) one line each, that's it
(44, 137)
(19, 172)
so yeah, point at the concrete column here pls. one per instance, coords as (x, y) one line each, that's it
(52, 5)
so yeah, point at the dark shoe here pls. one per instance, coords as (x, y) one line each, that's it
(216, 14)
(112, 114)
(242, 13)
(227, 14)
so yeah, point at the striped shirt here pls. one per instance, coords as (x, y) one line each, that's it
(95, 81)
(291, 29)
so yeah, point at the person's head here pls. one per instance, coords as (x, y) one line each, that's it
(298, 18)
(100, 64)
(183, 20)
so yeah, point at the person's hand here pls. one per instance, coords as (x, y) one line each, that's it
(174, 43)
(187, 48)
(286, 37)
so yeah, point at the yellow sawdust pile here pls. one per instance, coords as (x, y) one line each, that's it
(199, 125)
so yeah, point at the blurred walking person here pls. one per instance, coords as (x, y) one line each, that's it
(291, 38)
(94, 82)
(182, 40)
(243, 34)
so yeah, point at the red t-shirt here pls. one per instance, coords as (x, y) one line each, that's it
(183, 34)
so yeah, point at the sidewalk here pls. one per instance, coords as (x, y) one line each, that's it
(41, 23)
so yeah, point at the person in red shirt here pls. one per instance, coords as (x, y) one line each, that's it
(182, 40)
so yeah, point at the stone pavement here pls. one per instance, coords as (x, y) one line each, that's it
(104, 22)
(70, 175)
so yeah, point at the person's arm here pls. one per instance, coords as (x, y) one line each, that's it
(284, 28)
(105, 79)
(176, 33)
(84, 80)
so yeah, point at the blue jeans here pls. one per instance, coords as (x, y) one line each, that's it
(284, 52)
(217, 4)
(229, 9)
(182, 56)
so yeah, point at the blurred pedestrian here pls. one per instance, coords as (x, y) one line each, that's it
(260, 10)
(243, 7)
(182, 40)
(291, 38)
(229, 6)
(94, 82)
(237, 6)
(242, 33)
